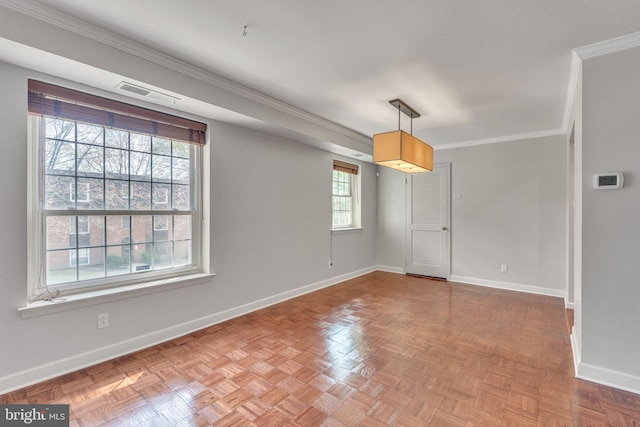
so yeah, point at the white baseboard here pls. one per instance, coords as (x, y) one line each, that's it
(509, 286)
(569, 305)
(608, 377)
(575, 351)
(390, 269)
(56, 368)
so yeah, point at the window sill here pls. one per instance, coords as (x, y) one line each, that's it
(102, 296)
(347, 230)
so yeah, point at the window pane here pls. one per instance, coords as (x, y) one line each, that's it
(181, 149)
(117, 230)
(90, 134)
(141, 226)
(140, 196)
(90, 194)
(61, 266)
(163, 255)
(142, 257)
(140, 142)
(117, 196)
(161, 146)
(116, 163)
(90, 160)
(91, 263)
(118, 260)
(59, 234)
(59, 192)
(181, 198)
(162, 228)
(116, 138)
(180, 171)
(182, 253)
(60, 157)
(161, 168)
(90, 230)
(161, 196)
(140, 168)
(341, 183)
(181, 227)
(60, 129)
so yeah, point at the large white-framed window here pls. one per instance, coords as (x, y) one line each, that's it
(345, 196)
(117, 197)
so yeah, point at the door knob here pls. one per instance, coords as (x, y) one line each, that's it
(444, 228)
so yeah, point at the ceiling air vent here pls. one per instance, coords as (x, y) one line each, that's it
(147, 93)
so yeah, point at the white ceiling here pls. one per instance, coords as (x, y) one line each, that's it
(475, 70)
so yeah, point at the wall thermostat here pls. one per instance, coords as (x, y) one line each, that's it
(608, 180)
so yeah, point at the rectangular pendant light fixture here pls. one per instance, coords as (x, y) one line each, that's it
(400, 150)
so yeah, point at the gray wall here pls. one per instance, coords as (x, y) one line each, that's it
(391, 219)
(611, 230)
(508, 207)
(270, 236)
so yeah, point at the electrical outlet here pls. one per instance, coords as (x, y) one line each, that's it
(504, 268)
(329, 265)
(103, 320)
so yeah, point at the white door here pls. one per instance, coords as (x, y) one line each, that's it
(428, 234)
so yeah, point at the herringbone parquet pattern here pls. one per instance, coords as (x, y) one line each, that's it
(382, 349)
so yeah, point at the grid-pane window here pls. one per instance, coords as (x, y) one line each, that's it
(344, 195)
(116, 205)
(342, 200)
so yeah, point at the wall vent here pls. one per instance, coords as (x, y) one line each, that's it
(147, 93)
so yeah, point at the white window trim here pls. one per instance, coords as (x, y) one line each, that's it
(141, 284)
(356, 203)
(103, 296)
(346, 230)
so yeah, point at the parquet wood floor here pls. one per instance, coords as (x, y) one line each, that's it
(382, 349)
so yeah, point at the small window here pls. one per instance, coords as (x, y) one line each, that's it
(345, 196)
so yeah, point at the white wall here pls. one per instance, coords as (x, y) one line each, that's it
(270, 234)
(611, 229)
(509, 207)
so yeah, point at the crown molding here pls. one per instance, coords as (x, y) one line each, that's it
(93, 32)
(578, 55)
(504, 138)
(593, 50)
(605, 47)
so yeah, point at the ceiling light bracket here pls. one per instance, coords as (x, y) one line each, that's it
(402, 106)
